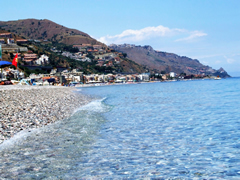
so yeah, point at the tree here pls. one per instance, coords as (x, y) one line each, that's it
(124, 55)
(11, 55)
(183, 74)
(89, 55)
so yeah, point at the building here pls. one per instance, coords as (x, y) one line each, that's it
(77, 76)
(21, 41)
(172, 74)
(30, 58)
(19, 55)
(10, 48)
(100, 62)
(97, 46)
(117, 60)
(144, 77)
(86, 45)
(164, 77)
(23, 49)
(2, 41)
(109, 63)
(42, 60)
(10, 40)
(5, 35)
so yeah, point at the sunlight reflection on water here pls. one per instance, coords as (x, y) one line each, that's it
(180, 130)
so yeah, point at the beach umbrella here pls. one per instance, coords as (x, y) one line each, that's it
(4, 64)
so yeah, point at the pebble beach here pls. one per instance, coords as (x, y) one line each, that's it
(28, 107)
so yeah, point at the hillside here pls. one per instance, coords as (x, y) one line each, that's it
(47, 30)
(58, 60)
(158, 61)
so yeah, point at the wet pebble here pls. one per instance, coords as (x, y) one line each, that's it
(32, 107)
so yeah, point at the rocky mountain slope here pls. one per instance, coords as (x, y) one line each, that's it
(158, 61)
(47, 30)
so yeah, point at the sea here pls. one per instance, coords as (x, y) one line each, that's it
(162, 130)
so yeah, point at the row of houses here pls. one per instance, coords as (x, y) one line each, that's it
(13, 48)
(121, 45)
(13, 41)
(101, 53)
(78, 77)
(77, 56)
(117, 78)
(83, 46)
(107, 59)
(27, 56)
(31, 58)
(84, 50)
(94, 49)
(11, 73)
(5, 35)
(7, 38)
(66, 76)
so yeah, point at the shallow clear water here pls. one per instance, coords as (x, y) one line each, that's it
(184, 130)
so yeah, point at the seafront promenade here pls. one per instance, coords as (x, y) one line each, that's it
(27, 107)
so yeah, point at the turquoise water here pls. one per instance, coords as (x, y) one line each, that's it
(173, 130)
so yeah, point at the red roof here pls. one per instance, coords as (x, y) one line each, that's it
(23, 40)
(44, 78)
(5, 34)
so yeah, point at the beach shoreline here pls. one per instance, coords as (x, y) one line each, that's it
(28, 107)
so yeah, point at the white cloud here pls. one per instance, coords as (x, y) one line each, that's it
(129, 36)
(235, 55)
(218, 62)
(229, 60)
(193, 35)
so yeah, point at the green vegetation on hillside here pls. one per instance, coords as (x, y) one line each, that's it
(51, 39)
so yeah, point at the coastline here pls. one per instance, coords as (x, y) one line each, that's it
(28, 107)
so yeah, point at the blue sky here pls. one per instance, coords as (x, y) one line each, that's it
(207, 30)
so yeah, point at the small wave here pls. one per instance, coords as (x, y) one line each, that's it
(78, 90)
(18, 138)
(97, 106)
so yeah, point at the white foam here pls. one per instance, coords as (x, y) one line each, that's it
(94, 106)
(78, 90)
(17, 138)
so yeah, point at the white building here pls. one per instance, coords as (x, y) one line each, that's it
(42, 60)
(172, 74)
(53, 71)
(35, 76)
(144, 77)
